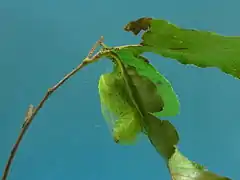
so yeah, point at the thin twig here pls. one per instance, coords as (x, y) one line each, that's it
(32, 112)
(99, 42)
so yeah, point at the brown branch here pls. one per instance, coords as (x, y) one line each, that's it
(99, 42)
(32, 112)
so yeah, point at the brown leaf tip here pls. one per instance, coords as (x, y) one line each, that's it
(137, 26)
(116, 140)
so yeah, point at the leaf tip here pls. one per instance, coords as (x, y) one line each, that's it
(137, 26)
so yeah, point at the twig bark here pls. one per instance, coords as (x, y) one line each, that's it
(99, 42)
(32, 111)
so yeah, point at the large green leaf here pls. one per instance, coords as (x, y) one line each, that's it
(130, 56)
(183, 169)
(120, 94)
(189, 46)
(162, 134)
(125, 97)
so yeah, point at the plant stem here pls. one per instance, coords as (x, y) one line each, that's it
(32, 112)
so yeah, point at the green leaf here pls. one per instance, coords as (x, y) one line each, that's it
(125, 98)
(162, 135)
(189, 46)
(120, 92)
(118, 108)
(183, 169)
(147, 90)
(130, 56)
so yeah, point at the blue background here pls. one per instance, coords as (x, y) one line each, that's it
(40, 41)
